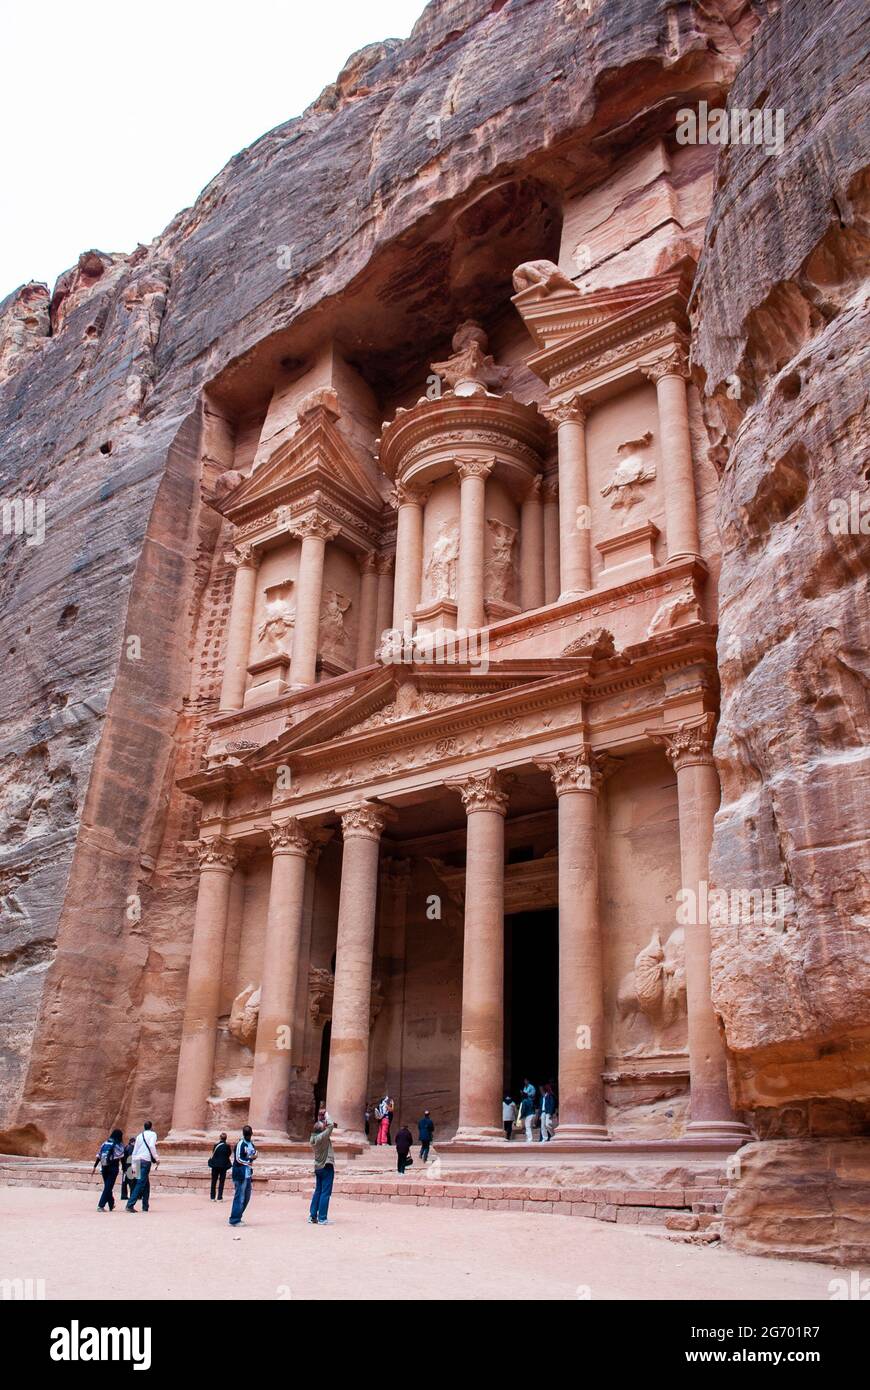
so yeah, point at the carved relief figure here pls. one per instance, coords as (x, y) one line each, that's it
(651, 1002)
(276, 630)
(500, 567)
(675, 612)
(333, 633)
(633, 469)
(544, 273)
(244, 1016)
(441, 564)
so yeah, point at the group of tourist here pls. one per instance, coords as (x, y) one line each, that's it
(536, 1110)
(383, 1113)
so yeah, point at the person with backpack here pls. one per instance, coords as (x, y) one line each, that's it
(127, 1174)
(243, 1174)
(220, 1163)
(109, 1157)
(426, 1131)
(324, 1169)
(145, 1155)
(404, 1140)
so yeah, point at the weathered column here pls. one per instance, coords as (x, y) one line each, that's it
(199, 1030)
(270, 1087)
(532, 547)
(368, 610)
(409, 554)
(315, 530)
(351, 1009)
(396, 881)
(237, 647)
(675, 448)
(473, 474)
(481, 1058)
(551, 539)
(575, 548)
(385, 598)
(577, 776)
(300, 1015)
(690, 751)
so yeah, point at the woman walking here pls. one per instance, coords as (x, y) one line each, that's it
(109, 1158)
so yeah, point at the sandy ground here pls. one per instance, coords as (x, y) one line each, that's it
(183, 1248)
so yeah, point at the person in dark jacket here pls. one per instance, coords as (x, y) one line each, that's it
(127, 1179)
(425, 1129)
(109, 1158)
(404, 1140)
(220, 1163)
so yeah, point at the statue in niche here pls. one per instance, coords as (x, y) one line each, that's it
(245, 1015)
(651, 1001)
(500, 570)
(544, 273)
(441, 564)
(276, 630)
(634, 468)
(333, 633)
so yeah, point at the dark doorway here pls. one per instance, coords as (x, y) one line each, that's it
(323, 1074)
(531, 998)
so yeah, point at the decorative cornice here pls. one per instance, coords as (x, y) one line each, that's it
(474, 468)
(675, 363)
(482, 791)
(365, 822)
(579, 770)
(689, 743)
(216, 854)
(290, 838)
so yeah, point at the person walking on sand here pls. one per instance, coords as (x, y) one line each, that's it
(127, 1175)
(426, 1131)
(404, 1140)
(145, 1154)
(220, 1163)
(109, 1157)
(508, 1116)
(244, 1155)
(324, 1169)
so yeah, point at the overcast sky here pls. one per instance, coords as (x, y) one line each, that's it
(114, 117)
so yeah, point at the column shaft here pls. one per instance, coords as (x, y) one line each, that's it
(472, 543)
(551, 541)
(238, 642)
(678, 476)
(385, 598)
(368, 612)
(575, 550)
(409, 557)
(315, 532)
(532, 548)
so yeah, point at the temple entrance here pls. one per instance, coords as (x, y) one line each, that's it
(531, 1000)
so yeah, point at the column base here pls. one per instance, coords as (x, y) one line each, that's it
(581, 1134)
(272, 1136)
(189, 1136)
(477, 1134)
(718, 1129)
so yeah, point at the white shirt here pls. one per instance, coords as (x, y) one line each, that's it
(509, 1110)
(139, 1149)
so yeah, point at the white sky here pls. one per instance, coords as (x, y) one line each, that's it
(115, 116)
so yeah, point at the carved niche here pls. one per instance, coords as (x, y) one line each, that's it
(334, 637)
(651, 1001)
(442, 562)
(634, 468)
(245, 1015)
(275, 634)
(500, 563)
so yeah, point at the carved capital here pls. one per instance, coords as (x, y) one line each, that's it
(578, 770)
(550, 488)
(315, 524)
(676, 363)
(368, 563)
(574, 411)
(534, 490)
(482, 791)
(384, 564)
(474, 468)
(688, 743)
(365, 821)
(402, 495)
(216, 854)
(289, 838)
(243, 557)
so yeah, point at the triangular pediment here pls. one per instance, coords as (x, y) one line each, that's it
(557, 316)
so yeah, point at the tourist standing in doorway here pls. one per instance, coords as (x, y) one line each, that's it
(527, 1115)
(244, 1155)
(404, 1140)
(391, 1111)
(109, 1157)
(145, 1155)
(383, 1116)
(508, 1116)
(324, 1170)
(220, 1163)
(127, 1177)
(548, 1112)
(426, 1131)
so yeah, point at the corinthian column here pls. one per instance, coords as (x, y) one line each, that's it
(551, 539)
(409, 553)
(270, 1088)
(217, 861)
(237, 648)
(690, 751)
(385, 597)
(532, 547)
(575, 549)
(351, 1009)
(481, 1058)
(368, 610)
(678, 478)
(577, 776)
(314, 530)
(473, 474)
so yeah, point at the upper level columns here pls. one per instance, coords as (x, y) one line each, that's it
(270, 1088)
(351, 1023)
(550, 493)
(532, 547)
(368, 610)
(577, 776)
(385, 597)
(217, 862)
(575, 551)
(314, 531)
(246, 560)
(473, 474)
(681, 513)
(409, 553)
(481, 1062)
(690, 751)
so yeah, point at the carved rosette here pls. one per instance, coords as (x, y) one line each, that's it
(365, 822)
(689, 743)
(315, 524)
(482, 792)
(581, 770)
(216, 854)
(474, 468)
(676, 363)
(573, 411)
(289, 838)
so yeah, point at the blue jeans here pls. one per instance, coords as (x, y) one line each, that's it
(323, 1180)
(142, 1188)
(241, 1199)
(109, 1173)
